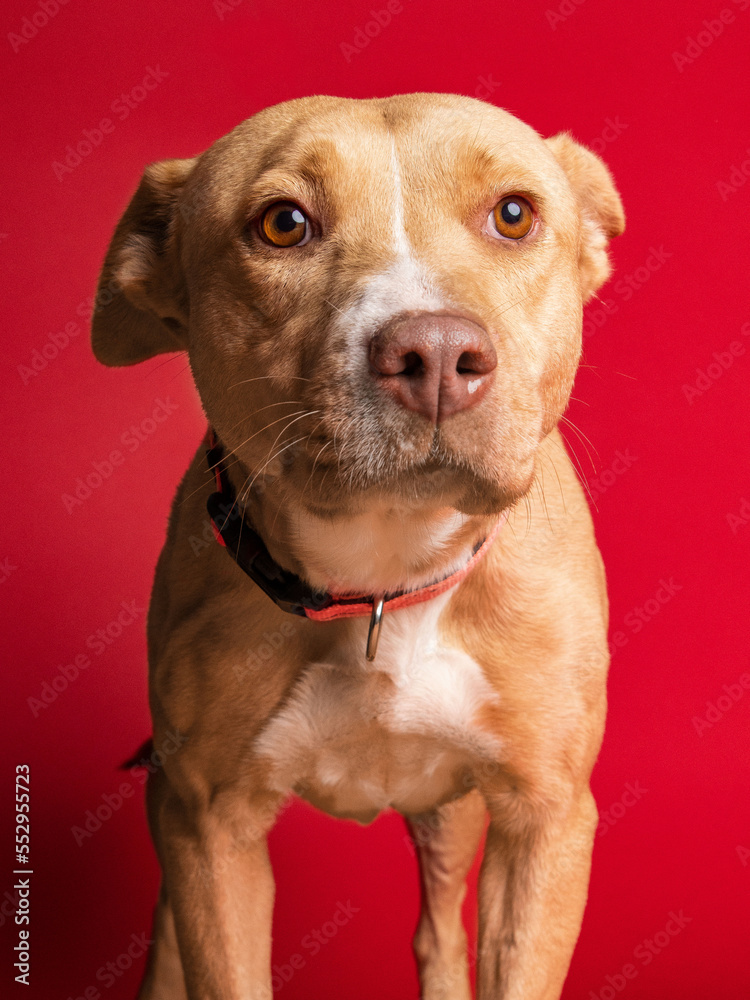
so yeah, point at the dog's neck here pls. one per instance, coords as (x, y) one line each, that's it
(387, 546)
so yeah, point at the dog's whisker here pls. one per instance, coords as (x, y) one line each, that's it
(546, 458)
(180, 372)
(235, 459)
(527, 507)
(278, 378)
(539, 482)
(244, 493)
(247, 416)
(501, 310)
(246, 489)
(279, 402)
(583, 439)
(578, 469)
(304, 489)
(307, 440)
(209, 473)
(210, 476)
(575, 426)
(299, 415)
(167, 361)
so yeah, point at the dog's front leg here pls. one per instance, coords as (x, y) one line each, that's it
(218, 879)
(446, 841)
(532, 893)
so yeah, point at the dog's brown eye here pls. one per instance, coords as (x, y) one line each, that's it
(284, 224)
(512, 217)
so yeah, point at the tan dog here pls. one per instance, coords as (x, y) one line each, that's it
(381, 303)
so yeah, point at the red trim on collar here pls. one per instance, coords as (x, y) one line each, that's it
(337, 609)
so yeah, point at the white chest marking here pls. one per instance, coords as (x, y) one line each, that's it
(355, 738)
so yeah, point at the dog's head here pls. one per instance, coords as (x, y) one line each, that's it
(378, 298)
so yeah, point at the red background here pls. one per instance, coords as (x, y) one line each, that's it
(685, 844)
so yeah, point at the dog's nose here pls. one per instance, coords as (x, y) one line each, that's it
(436, 365)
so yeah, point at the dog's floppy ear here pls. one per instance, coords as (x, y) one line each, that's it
(141, 303)
(599, 204)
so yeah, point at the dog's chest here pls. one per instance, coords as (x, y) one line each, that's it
(356, 738)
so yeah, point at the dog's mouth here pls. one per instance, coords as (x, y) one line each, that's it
(340, 455)
(330, 481)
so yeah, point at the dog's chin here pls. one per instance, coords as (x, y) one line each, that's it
(485, 498)
(341, 491)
